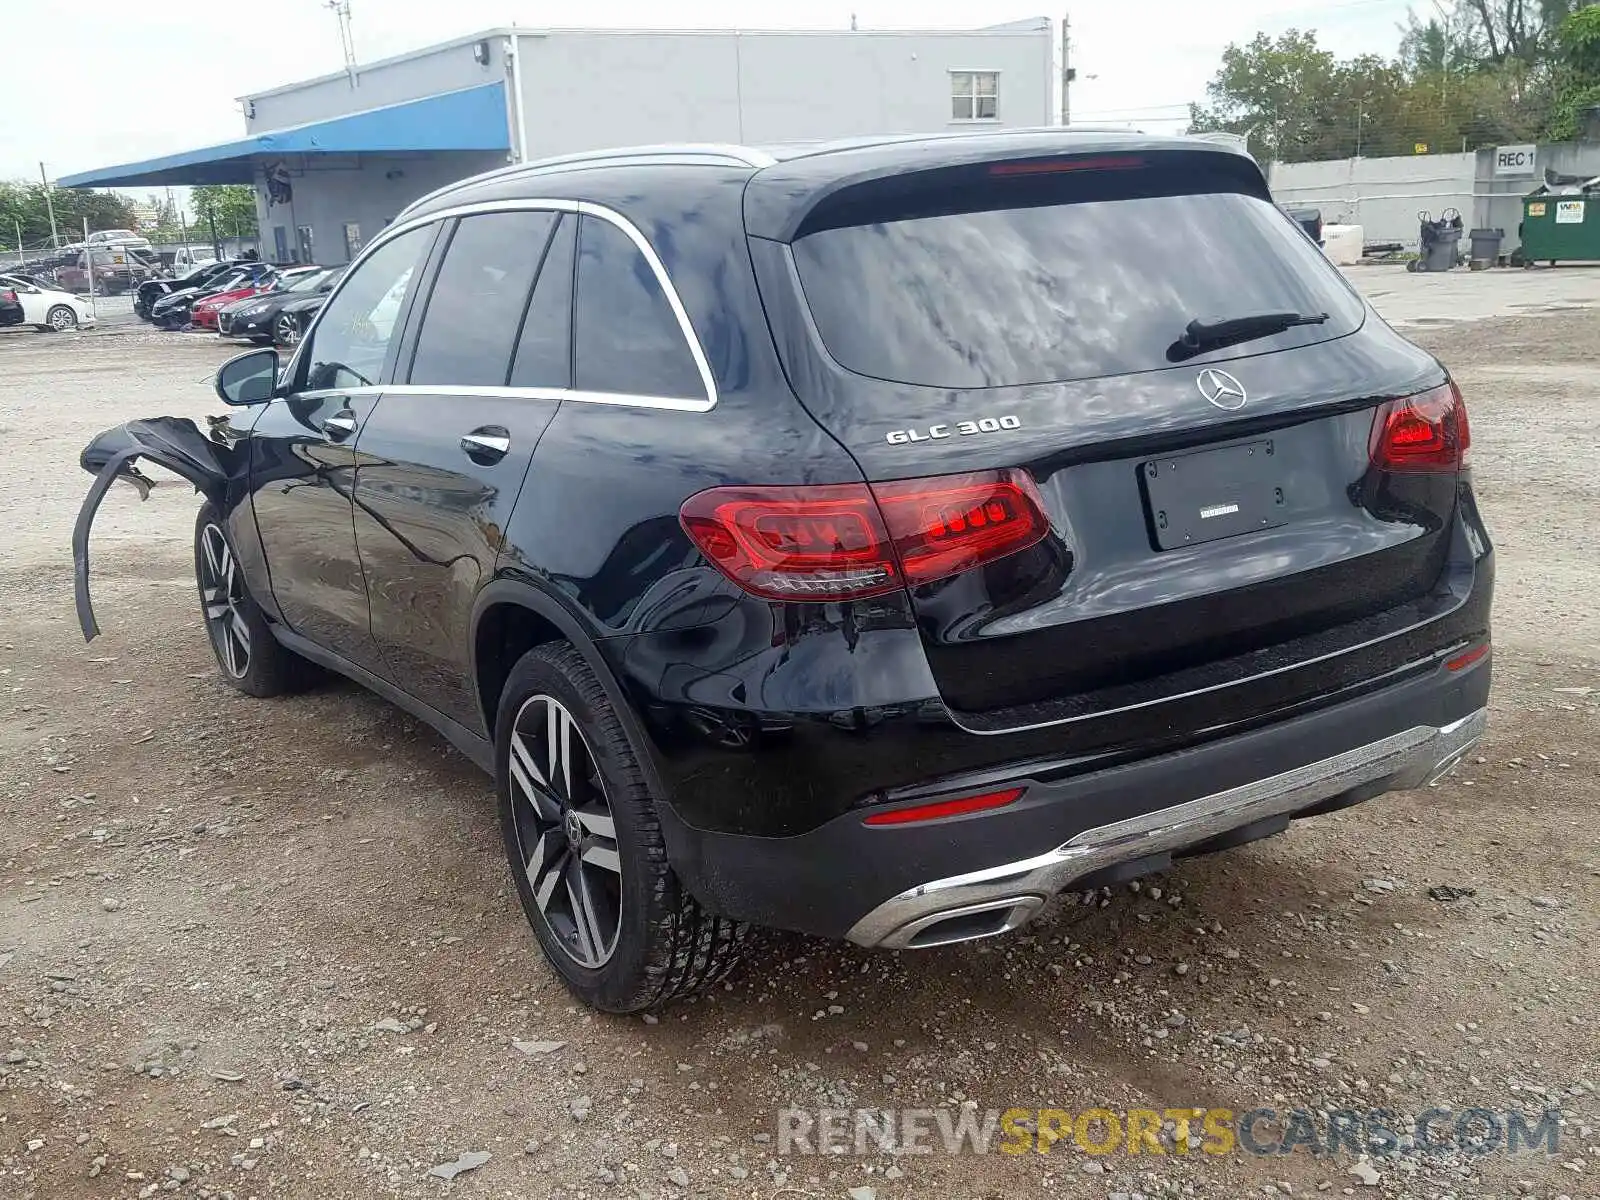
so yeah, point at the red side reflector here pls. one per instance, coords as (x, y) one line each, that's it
(944, 808)
(850, 540)
(1465, 659)
(1426, 432)
(1058, 166)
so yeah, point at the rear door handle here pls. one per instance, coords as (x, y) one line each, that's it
(339, 426)
(487, 444)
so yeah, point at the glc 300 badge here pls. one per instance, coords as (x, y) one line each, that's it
(899, 437)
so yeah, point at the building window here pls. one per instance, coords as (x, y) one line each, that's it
(975, 95)
(303, 234)
(280, 243)
(352, 241)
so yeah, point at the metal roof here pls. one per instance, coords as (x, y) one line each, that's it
(470, 119)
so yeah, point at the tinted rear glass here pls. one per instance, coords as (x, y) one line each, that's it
(1053, 292)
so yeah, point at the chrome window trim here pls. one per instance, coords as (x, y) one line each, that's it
(579, 207)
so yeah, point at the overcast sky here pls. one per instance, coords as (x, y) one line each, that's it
(75, 100)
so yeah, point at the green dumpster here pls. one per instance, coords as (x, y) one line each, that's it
(1560, 228)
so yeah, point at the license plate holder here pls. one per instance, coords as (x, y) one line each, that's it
(1203, 495)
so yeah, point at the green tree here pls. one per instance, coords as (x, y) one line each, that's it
(1277, 92)
(1577, 73)
(232, 205)
(23, 203)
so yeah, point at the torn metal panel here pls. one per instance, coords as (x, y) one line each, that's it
(208, 462)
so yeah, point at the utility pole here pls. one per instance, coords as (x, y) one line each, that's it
(347, 42)
(1067, 73)
(55, 238)
(18, 225)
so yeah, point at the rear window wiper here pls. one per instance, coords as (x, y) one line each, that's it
(1201, 335)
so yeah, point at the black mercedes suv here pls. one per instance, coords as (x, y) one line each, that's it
(872, 540)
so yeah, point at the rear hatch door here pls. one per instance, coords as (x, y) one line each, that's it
(1213, 512)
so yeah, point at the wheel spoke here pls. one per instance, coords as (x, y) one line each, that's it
(599, 823)
(526, 775)
(604, 857)
(209, 542)
(558, 731)
(584, 917)
(548, 882)
(241, 631)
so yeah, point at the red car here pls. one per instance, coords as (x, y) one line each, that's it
(204, 313)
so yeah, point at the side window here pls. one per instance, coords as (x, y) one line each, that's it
(470, 327)
(352, 337)
(627, 338)
(544, 349)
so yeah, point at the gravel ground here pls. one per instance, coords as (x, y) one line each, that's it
(269, 949)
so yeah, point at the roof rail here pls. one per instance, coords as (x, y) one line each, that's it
(711, 152)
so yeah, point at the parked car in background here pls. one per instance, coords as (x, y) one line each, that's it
(870, 540)
(255, 318)
(120, 237)
(205, 312)
(116, 270)
(48, 307)
(172, 311)
(151, 290)
(10, 307)
(294, 316)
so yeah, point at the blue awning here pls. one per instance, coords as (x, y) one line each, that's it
(470, 119)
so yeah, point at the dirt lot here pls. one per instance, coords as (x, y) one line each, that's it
(269, 949)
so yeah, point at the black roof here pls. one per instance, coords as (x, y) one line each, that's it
(784, 182)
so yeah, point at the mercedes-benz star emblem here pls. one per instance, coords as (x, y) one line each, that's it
(1221, 389)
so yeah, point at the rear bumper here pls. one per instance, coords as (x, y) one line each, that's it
(970, 876)
(999, 898)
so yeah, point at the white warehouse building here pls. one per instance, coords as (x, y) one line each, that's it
(335, 159)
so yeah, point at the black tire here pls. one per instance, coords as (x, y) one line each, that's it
(60, 319)
(287, 330)
(248, 656)
(665, 945)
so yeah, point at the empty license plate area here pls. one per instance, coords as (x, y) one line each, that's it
(1208, 494)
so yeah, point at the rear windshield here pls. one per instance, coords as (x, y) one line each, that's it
(1053, 292)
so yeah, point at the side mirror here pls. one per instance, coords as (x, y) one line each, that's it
(248, 378)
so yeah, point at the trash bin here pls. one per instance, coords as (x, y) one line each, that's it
(1439, 242)
(1486, 247)
(1562, 226)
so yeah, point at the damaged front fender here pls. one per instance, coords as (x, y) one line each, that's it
(207, 461)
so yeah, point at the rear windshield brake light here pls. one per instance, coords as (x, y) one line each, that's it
(853, 540)
(1058, 166)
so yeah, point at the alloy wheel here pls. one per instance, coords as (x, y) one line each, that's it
(222, 596)
(566, 835)
(61, 318)
(288, 330)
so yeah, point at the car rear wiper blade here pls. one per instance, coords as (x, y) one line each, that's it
(1201, 335)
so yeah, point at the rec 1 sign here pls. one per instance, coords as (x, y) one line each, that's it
(1514, 160)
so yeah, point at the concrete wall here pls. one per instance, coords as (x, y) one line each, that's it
(445, 68)
(1383, 195)
(587, 90)
(369, 191)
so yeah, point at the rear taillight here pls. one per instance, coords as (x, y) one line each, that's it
(1425, 432)
(851, 540)
(8, 296)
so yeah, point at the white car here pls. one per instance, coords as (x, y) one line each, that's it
(48, 307)
(119, 237)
